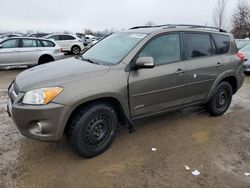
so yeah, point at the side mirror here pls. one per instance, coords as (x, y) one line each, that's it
(1, 46)
(145, 62)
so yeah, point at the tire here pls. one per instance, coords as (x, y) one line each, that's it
(92, 129)
(45, 59)
(75, 50)
(221, 99)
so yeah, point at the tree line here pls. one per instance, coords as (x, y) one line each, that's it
(239, 20)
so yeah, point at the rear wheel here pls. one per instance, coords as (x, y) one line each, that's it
(75, 50)
(45, 59)
(92, 129)
(221, 100)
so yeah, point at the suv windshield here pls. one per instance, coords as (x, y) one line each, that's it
(113, 48)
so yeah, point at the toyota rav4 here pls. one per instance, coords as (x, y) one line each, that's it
(129, 75)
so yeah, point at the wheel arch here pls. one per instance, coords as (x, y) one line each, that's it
(74, 46)
(45, 56)
(122, 111)
(229, 77)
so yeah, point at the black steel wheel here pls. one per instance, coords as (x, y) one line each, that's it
(221, 100)
(92, 129)
(98, 130)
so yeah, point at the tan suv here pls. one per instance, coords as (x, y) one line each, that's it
(129, 75)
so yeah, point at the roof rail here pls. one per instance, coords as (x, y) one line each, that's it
(182, 25)
(142, 26)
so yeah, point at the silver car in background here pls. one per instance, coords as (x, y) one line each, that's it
(28, 51)
(246, 51)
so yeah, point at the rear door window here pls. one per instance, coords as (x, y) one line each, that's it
(198, 45)
(12, 43)
(29, 43)
(222, 43)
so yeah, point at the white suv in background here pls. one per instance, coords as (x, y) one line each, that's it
(68, 42)
(28, 51)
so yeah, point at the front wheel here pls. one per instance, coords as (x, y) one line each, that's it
(221, 99)
(92, 129)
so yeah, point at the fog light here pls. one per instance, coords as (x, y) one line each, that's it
(39, 127)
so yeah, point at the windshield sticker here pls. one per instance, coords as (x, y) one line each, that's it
(138, 35)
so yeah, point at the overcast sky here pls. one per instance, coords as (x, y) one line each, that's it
(76, 15)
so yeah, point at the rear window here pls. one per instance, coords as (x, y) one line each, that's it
(55, 37)
(67, 37)
(46, 43)
(198, 45)
(222, 43)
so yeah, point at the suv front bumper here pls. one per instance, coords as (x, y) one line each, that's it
(43, 122)
(40, 122)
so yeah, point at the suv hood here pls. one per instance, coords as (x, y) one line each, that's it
(58, 73)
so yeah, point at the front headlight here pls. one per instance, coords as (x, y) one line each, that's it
(41, 96)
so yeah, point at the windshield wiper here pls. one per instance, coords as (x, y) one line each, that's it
(90, 61)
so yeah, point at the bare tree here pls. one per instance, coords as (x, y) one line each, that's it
(241, 20)
(219, 15)
(88, 32)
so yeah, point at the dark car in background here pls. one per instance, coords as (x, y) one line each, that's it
(37, 35)
(246, 51)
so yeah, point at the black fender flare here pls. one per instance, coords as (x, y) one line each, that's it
(219, 79)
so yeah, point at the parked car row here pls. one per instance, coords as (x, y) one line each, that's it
(33, 49)
(28, 51)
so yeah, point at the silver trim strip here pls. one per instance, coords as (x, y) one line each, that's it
(156, 91)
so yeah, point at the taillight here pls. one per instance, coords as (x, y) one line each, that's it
(61, 50)
(241, 56)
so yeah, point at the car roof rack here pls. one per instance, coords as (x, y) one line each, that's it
(142, 27)
(182, 25)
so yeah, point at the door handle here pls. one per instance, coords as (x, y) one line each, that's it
(179, 71)
(219, 64)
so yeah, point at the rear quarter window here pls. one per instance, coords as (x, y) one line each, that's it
(222, 43)
(55, 37)
(46, 43)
